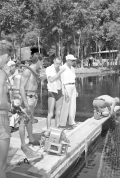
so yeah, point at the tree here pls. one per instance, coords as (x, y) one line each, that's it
(106, 27)
(14, 18)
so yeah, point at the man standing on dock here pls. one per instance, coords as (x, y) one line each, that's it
(54, 85)
(104, 105)
(28, 92)
(69, 92)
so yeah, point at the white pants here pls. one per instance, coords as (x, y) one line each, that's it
(69, 109)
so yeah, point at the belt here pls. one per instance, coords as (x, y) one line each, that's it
(69, 83)
(31, 96)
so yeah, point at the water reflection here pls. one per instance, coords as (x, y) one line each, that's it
(88, 88)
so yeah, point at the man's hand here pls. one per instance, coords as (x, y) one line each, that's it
(27, 114)
(76, 94)
(27, 109)
(67, 98)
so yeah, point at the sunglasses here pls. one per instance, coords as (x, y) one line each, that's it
(73, 60)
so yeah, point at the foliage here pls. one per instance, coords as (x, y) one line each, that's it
(62, 25)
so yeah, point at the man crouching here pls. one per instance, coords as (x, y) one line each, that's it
(104, 106)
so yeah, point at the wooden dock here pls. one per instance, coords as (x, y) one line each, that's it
(53, 166)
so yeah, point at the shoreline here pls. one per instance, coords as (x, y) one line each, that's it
(86, 72)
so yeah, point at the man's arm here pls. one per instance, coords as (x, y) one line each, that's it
(3, 98)
(24, 79)
(55, 77)
(112, 107)
(75, 83)
(2, 82)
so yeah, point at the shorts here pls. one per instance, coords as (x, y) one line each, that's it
(99, 103)
(57, 96)
(32, 100)
(4, 125)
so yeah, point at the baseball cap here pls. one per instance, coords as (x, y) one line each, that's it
(70, 57)
(10, 63)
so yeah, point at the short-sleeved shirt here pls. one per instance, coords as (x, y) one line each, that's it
(68, 76)
(56, 85)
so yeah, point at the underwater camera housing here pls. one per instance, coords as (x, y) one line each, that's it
(57, 142)
(99, 115)
(23, 113)
(16, 106)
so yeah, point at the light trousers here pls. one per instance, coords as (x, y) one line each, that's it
(68, 110)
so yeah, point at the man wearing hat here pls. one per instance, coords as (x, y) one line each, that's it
(69, 92)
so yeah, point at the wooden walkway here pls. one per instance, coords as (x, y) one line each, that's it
(53, 166)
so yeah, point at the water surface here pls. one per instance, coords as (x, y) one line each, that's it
(88, 88)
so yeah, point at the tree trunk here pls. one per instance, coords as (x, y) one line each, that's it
(79, 46)
(0, 32)
(68, 49)
(82, 66)
(62, 49)
(74, 46)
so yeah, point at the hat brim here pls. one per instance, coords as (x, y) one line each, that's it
(71, 59)
(74, 59)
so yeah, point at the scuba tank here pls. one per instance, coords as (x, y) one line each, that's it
(16, 82)
(16, 85)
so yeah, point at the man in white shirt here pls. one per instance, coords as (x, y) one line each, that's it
(54, 86)
(69, 92)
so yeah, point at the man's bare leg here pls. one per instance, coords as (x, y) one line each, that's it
(58, 107)
(29, 127)
(30, 131)
(25, 148)
(4, 147)
(22, 132)
(51, 106)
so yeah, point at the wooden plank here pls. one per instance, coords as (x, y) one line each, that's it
(50, 160)
(54, 165)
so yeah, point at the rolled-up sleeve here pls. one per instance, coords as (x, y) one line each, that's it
(48, 72)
